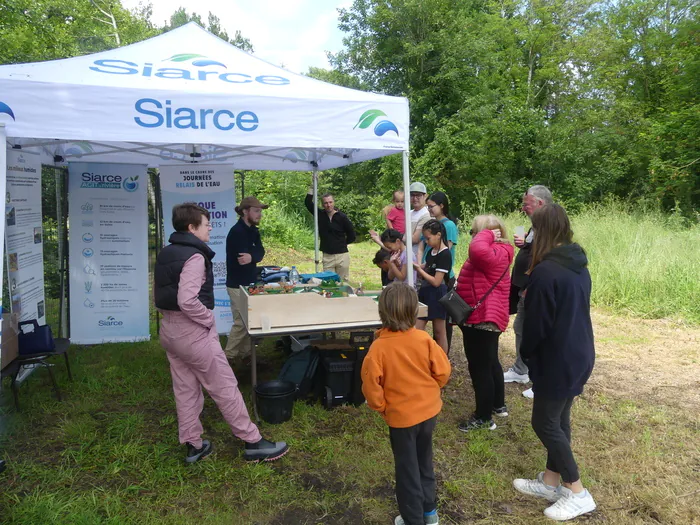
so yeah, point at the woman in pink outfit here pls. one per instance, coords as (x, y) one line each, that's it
(184, 294)
(484, 280)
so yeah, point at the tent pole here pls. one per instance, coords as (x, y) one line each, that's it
(65, 260)
(315, 176)
(407, 210)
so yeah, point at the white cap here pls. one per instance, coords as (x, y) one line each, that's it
(418, 187)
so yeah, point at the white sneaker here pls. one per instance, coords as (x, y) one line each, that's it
(511, 376)
(537, 487)
(570, 505)
(529, 394)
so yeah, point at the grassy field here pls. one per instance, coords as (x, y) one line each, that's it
(108, 454)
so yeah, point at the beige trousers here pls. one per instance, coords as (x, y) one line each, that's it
(338, 263)
(238, 344)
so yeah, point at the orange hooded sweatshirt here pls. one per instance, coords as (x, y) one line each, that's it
(402, 376)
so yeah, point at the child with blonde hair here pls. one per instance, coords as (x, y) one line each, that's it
(401, 379)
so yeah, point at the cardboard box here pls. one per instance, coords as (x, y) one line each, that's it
(10, 348)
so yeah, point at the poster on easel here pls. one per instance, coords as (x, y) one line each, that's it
(24, 242)
(108, 253)
(213, 188)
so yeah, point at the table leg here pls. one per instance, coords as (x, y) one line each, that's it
(15, 390)
(254, 377)
(70, 376)
(53, 380)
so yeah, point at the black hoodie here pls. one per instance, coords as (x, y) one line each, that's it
(557, 343)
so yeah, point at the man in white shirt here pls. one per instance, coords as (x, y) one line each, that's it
(419, 213)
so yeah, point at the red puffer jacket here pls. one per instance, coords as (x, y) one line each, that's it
(487, 261)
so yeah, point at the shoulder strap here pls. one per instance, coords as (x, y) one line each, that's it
(492, 287)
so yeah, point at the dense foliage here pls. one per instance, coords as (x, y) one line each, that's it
(592, 98)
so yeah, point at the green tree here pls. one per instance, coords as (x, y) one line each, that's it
(182, 17)
(34, 30)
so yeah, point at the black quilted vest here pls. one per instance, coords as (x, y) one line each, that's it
(169, 263)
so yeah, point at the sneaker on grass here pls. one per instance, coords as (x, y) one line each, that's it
(265, 450)
(537, 487)
(475, 424)
(511, 376)
(429, 518)
(570, 505)
(195, 454)
(529, 394)
(500, 412)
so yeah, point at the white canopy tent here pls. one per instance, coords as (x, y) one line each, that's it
(188, 96)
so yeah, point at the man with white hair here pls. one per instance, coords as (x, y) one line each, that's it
(535, 197)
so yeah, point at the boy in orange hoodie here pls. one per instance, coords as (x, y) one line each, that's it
(401, 379)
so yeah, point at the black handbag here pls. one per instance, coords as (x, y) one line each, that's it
(38, 341)
(458, 309)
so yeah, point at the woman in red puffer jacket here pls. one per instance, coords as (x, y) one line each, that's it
(490, 256)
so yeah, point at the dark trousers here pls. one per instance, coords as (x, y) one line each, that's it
(551, 423)
(413, 463)
(481, 349)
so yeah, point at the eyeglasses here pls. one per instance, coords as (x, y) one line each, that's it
(416, 195)
(431, 206)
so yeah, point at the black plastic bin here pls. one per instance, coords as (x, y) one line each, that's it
(275, 400)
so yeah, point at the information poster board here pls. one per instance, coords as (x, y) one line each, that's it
(24, 239)
(3, 177)
(108, 253)
(213, 188)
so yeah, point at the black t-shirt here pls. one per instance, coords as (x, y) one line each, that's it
(442, 262)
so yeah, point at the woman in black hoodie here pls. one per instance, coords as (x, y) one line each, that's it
(558, 348)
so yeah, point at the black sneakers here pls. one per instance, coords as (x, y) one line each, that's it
(500, 412)
(265, 450)
(195, 454)
(476, 424)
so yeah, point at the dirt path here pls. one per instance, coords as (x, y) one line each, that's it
(654, 360)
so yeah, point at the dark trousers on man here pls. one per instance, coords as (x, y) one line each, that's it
(413, 463)
(551, 421)
(481, 349)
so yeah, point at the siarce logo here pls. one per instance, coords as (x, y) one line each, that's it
(4, 108)
(110, 321)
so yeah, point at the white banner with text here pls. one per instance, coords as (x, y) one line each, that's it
(24, 236)
(213, 188)
(108, 253)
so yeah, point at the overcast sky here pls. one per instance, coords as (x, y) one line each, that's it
(293, 33)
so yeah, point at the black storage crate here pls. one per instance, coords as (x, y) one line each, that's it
(338, 379)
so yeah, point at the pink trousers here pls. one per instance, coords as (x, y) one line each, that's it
(196, 361)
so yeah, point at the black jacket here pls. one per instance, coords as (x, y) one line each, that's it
(557, 343)
(518, 278)
(169, 263)
(242, 238)
(335, 233)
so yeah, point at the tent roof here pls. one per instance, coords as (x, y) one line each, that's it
(187, 92)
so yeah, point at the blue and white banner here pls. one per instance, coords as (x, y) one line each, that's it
(24, 236)
(213, 188)
(108, 253)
